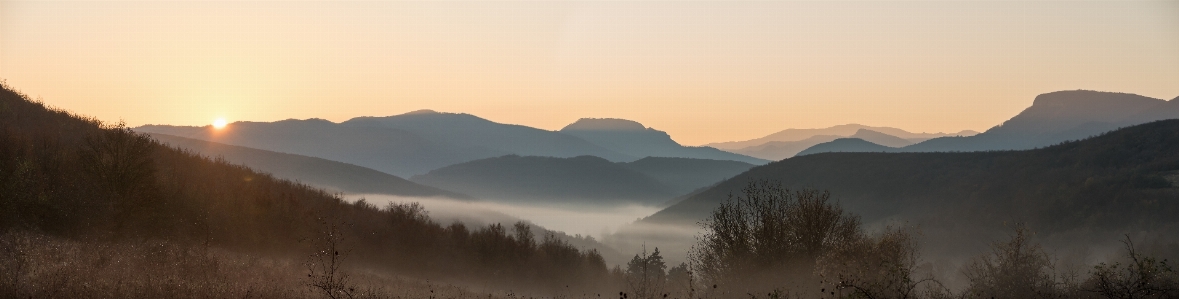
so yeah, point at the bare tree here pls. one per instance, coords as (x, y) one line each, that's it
(324, 263)
(770, 235)
(879, 267)
(1143, 277)
(1017, 268)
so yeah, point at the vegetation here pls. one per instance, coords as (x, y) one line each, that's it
(79, 181)
(797, 244)
(1115, 181)
(96, 210)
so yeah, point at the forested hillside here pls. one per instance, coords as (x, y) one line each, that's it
(76, 179)
(317, 172)
(1114, 180)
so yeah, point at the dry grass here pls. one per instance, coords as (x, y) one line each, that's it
(38, 266)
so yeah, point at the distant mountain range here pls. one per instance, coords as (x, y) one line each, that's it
(1119, 178)
(631, 138)
(1081, 191)
(581, 180)
(788, 143)
(421, 141)
(1053, 118)
(317, 172)
(392, 151)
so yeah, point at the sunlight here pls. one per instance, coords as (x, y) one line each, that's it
(220, 123)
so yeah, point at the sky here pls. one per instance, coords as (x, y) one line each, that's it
(704, 71)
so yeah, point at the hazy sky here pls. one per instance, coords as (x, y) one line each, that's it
(704, 71)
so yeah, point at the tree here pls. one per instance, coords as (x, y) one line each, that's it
(679, 279)
(878, 267)
(770, 234)
(1017, 268)
(325, 261)
(1143, 277)
(646, 274)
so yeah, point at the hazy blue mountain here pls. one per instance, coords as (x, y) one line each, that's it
(1057, 117)
(632, 138)
(685, 175)
(469, 131)
(846, 145)
(317, 172)
(403, 145)
(778, 150)
(392, 151)
(840, 130)
(577, 180)
(881, 138)
(1113, 180)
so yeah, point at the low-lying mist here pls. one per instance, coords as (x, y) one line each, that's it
(597, 221)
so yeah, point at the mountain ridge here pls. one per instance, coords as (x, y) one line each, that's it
(632, 138)
(317, 172)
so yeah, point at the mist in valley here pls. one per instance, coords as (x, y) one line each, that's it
(589, 149)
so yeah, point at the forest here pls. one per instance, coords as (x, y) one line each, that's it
(94, 210)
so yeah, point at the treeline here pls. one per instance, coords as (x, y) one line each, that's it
(772, 242)
(1114, 181)
(75, 177)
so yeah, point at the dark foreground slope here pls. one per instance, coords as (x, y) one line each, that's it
(317, 172)
(577, 180)
(1120, 179)
(73, 178)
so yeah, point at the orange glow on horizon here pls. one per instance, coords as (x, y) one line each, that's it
(702, 71)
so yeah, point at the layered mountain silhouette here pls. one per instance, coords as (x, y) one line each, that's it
(469, 131)
(846, 145)
(322, 173)
(778, 150)
(840, 130)
(788, 143)
(577, 180)
(1114, 180)
(632, 138)
(418, 142)
(1053, 118)
(388, 150)
(684, 175)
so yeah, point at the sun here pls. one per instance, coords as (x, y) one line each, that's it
(220, 123)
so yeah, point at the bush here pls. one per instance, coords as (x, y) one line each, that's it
(1016, 268)
(779, 242)
(1142, 277)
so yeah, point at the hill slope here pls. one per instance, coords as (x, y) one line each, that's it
(846, 145)
(1113, 180)
(104, 186)
(778, 150)
(840, 130)
(1057, 117)
(685, 175)
(392, 151)
(469, 131)
(577, 180)
(322, 173)
(632, 138)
